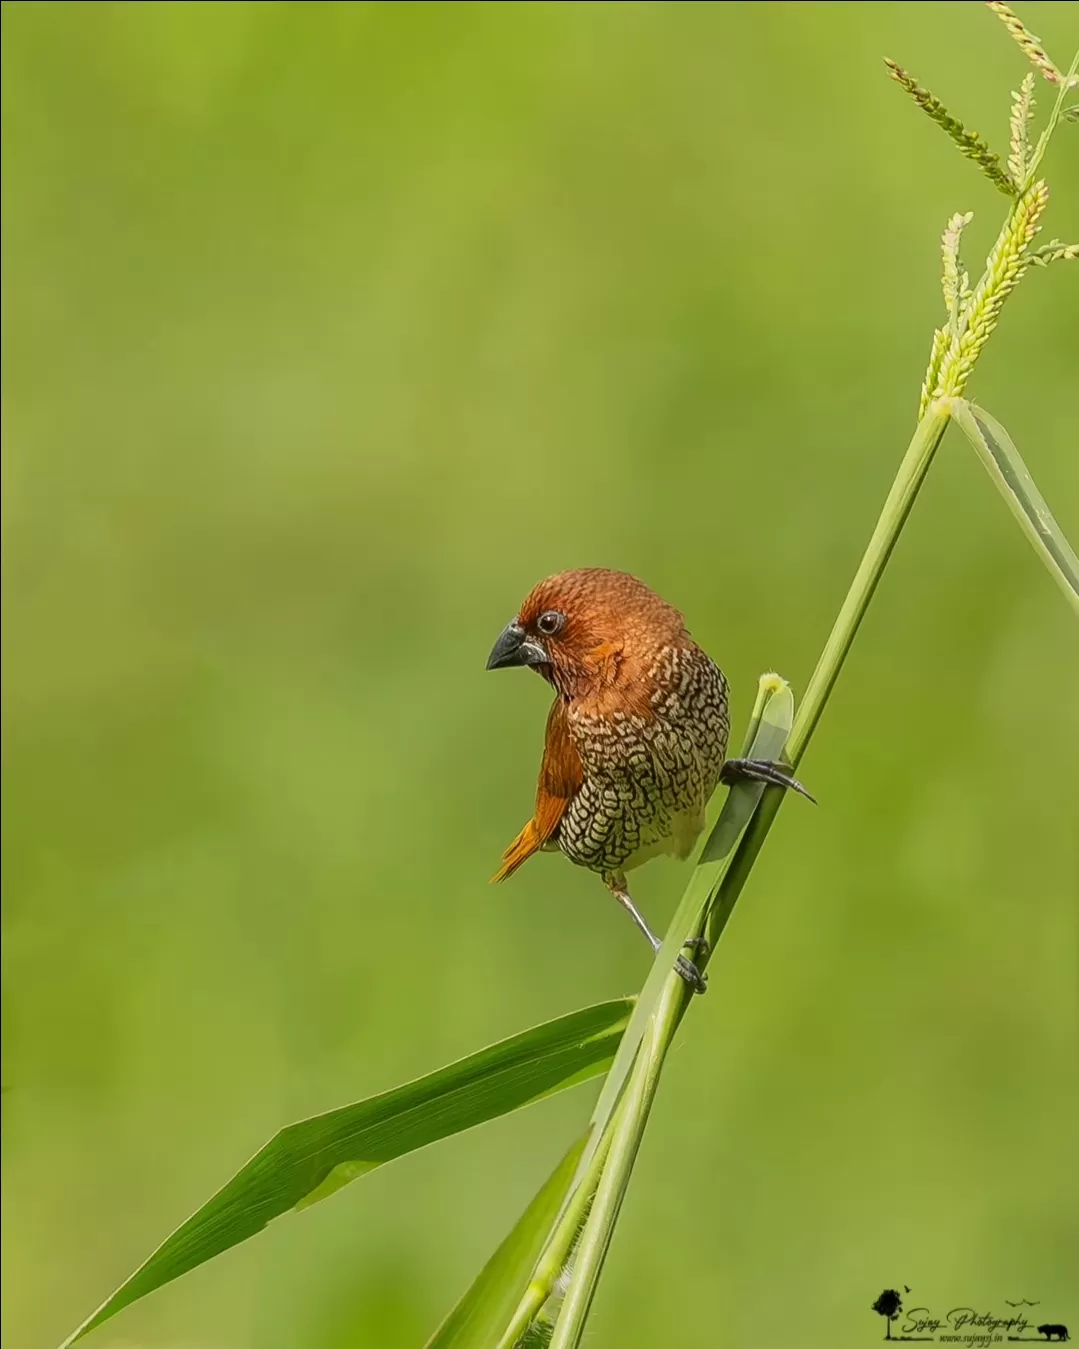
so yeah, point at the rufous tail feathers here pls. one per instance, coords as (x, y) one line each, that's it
(561, 775)
(520, 850)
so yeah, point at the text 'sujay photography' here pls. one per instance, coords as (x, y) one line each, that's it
(668, 361)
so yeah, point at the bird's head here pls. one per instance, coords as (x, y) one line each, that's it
(588, 629)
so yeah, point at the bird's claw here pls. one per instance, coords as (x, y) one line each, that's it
(691, 974)
(768, 771)
(699, 945)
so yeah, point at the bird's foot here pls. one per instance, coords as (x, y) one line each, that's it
(616, 883)
(700, 945)
(691, 974)
(768, 771)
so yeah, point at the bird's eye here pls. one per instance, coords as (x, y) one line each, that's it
(550, 622)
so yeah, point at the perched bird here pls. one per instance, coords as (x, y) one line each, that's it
(636, 737)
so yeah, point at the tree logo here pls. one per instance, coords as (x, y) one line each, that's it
(888, 1305)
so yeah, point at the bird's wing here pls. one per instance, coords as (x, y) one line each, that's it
(560, 778)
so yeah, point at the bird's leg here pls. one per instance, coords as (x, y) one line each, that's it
(627, 903)
(686, 968)
(767, 771)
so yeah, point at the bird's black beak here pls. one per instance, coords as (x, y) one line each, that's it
(515, 648)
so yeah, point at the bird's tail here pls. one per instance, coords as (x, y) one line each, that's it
(520, 850)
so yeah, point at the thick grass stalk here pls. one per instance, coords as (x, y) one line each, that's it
(632, 1115)
(626, 1131)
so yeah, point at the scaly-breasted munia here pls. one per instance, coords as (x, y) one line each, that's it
(636, 737)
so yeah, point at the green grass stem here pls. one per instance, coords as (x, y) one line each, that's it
(629, 1120)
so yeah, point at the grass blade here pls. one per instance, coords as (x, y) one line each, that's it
(1005, 466)
(310, 1159)
(485, 1310)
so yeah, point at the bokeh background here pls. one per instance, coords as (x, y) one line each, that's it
(328, 330)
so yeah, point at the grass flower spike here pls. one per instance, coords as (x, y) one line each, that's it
(1030, 45)
(955, 281)
(1003, 270)
(969, 142)
(1054, 251)
(1022, 112)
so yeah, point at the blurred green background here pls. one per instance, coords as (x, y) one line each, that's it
(328, 330)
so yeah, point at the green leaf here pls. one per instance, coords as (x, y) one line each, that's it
(485, 1310)
(1005, 466)
(311, 1159)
